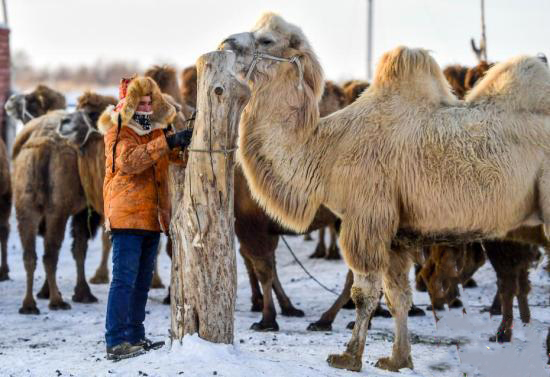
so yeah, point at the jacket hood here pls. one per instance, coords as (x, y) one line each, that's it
(163, 111)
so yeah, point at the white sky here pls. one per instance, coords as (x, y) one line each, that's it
(69, 32)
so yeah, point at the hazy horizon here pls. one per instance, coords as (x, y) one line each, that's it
(76, 32)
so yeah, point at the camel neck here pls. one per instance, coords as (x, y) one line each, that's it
(284, 172)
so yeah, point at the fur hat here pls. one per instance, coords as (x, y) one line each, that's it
(131, 90)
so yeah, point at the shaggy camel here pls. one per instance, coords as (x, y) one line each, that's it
(47, 191)
(5, 209)
(353, 89)
(406, 162)
(42, 99)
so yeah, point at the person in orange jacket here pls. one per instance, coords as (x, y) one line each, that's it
(138, 149)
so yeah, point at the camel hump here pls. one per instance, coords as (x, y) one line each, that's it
(522, 83)
(414, 73)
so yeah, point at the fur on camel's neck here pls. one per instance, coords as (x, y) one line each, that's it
(277, 130)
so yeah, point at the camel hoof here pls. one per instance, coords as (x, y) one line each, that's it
(44, 293)
(345, 361)
(470, 284)
(84, 298)
(351, 325)
(501, 338)
(349, 305)
(381, 312)
(264, 326)
(415, 311)
(29, 310)
(387, 363)
(4, 274)
(166, 300)
(333, 254)
(292, 312)
(320, 326)
(319, 252)
(307, 237)
(100, 278)
(60, 305)
(456, 303)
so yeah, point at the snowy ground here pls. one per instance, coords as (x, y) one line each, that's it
(71, 343)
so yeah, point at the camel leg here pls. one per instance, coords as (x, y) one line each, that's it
(101, 275)
(167, 299)
(399, 300)
(333, 252)
(264, 272)
(495, 308)
(307, 237)
(524, 287)
(4, 234)
(28, 231)
(287, 308)
(548, 345)
(81, 235)
(365, 293)
(507, 286)
(55, 227)
(327, 318)
(4, 269)
(257, 298)
(321, 248)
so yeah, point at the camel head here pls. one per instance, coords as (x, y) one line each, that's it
(167, 79)
(80, 126)
(275, 49)
(25, 107)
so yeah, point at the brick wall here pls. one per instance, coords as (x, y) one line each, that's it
(4, 73)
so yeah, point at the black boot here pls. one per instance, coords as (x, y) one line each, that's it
(124, 350)
(148, 344)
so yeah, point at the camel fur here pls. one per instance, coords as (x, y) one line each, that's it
(407, 159)
(34, 104)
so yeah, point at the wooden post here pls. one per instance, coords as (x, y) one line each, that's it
(204, 273)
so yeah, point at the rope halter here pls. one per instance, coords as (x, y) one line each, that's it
(24, 111)
(90, 129)
(260, 56)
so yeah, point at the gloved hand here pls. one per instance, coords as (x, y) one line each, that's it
(180, 139)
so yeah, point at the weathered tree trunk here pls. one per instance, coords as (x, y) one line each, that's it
(204, 276)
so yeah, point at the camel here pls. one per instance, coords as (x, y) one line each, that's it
(188, 87)
(47, 191)
(406, 164)
(34, 104)
(448, 266)
(5, 209)
(463, 79)
(353, 89)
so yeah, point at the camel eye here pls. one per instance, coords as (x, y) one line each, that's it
(265, 41)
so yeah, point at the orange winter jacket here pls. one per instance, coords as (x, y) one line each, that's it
(136, 195)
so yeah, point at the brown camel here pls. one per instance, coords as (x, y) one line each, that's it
(5, 209)
(353, 89)
(188, 87)
(511, 258)
(405, 162)
(463, 79)
(42, 99)
(47, 191)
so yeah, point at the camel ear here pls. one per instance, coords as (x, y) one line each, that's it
(295, 41)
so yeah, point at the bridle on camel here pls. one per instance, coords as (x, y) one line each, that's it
(261, 56)
(90, 130)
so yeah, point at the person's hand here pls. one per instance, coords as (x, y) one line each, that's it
(180, 139)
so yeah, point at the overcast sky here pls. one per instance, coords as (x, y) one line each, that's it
(70, 32)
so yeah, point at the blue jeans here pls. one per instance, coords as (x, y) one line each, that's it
(133, 264)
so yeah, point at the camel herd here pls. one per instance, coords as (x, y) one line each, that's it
(402, 171)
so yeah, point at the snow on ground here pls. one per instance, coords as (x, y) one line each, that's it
(71, 343)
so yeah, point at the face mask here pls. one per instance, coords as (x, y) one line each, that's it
(143, 119)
